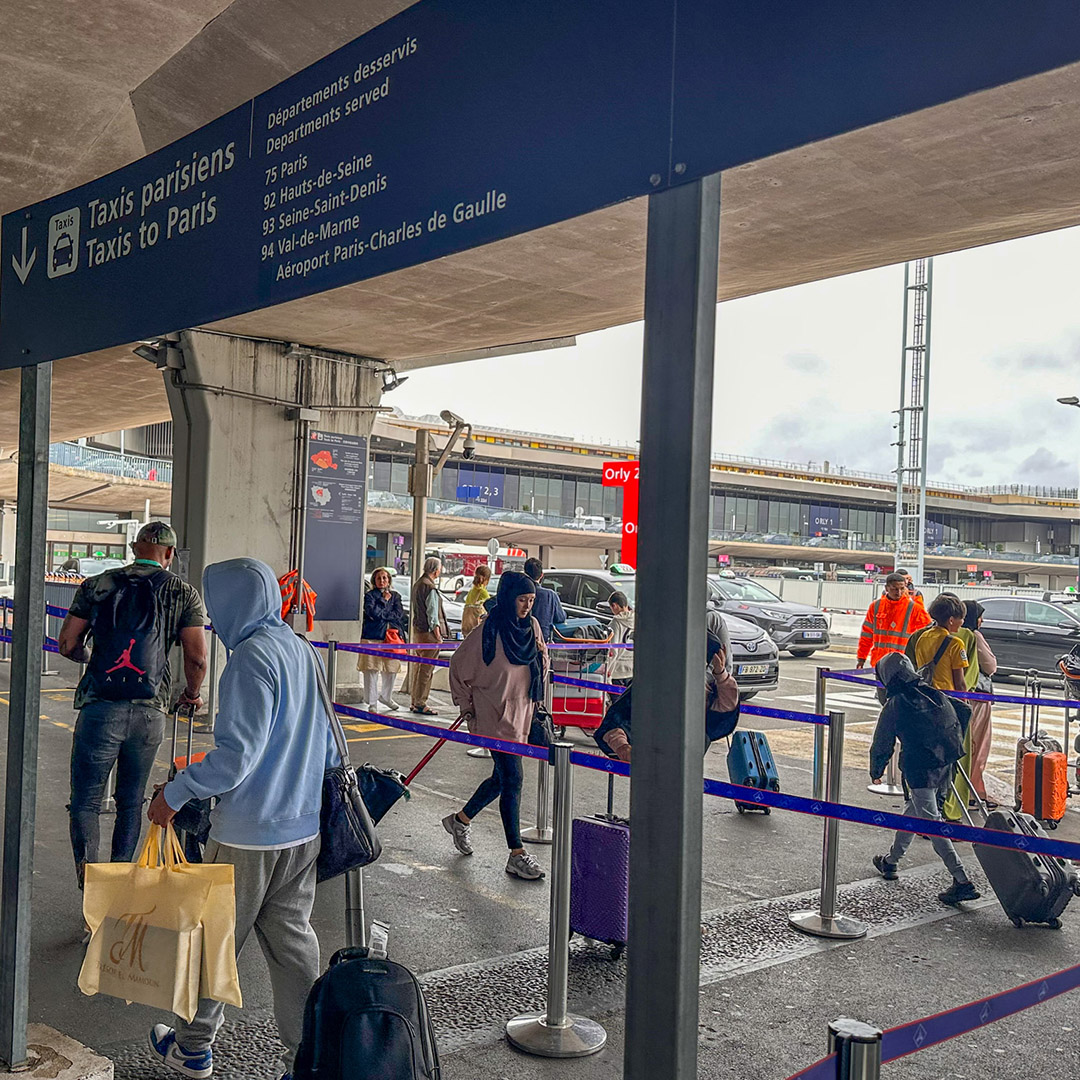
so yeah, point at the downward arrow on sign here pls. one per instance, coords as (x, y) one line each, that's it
(24, 267)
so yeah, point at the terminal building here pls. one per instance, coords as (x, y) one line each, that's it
(542, 495)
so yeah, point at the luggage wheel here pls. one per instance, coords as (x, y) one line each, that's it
(1051, 824)
(1054, 924)
(1018, 923)
(620, 947)
(740, 808)
(562, 732)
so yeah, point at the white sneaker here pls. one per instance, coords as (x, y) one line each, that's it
(391, 704)
(460, 833)
(199, 1064)
(523, 865)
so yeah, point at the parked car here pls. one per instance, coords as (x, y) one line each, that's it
(587, 523)
(798, 628)
(755, 657)
(1026, 633)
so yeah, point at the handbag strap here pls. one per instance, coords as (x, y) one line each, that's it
(328, 706)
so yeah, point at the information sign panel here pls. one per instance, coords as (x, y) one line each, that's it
(336, 538)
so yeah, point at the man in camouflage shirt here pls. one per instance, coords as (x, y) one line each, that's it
(114, 728)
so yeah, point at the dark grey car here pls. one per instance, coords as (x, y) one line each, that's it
(1025, 633)
(755, 657)
(798, 628)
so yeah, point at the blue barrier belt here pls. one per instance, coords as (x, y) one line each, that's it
(907, 1039)
(901, 822)
(825, 1069)
(57, 612)
(750, 710)
(435, 732)
(724, 790)
(997, 699)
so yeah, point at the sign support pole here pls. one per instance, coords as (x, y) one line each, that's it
(22, 747)
(665, 795)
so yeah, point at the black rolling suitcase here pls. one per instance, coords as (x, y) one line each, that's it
(1031, 888)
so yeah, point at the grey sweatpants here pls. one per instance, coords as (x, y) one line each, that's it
(275, 891)
(923, 803)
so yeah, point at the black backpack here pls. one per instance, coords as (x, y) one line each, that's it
(366, 1020)
(129, 651)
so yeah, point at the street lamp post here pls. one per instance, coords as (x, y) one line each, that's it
(421, 477)
(1075, 401)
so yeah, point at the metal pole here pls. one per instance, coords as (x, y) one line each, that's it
(925, 422)
(858, 1049)
(901, 428)
(665, 797)
(420, 489)
(825, 922)
(355, 928)
(211, 692)
(889, 786)
(820, 705)
(555, 1032)
(298, 604)
(4, 655)
(24, 712)
(540, 833)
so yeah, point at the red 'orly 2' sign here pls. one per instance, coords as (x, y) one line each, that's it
(625, 474)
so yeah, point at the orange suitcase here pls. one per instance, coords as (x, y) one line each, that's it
(1045, 786)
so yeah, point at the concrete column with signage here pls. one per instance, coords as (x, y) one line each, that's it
(240, 443)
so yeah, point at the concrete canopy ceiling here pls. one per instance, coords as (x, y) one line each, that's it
(89, 88)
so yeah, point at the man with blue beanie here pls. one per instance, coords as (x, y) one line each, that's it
(273, 745)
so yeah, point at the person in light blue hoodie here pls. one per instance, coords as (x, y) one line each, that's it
(272, 746)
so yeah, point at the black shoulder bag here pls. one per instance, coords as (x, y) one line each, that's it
(349, 840)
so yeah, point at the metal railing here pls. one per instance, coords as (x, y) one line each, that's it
(111, 462)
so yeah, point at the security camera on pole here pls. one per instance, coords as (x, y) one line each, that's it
(421, 475)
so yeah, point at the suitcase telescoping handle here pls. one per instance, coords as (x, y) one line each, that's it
(432, 752)
(189, 711)
(974, 794)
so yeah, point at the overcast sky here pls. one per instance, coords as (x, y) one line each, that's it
(812, 373)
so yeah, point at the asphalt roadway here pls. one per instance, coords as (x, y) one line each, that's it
(477, 936)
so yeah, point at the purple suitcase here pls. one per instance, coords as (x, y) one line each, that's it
(600, 880)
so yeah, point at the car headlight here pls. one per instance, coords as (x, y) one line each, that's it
(776, 616)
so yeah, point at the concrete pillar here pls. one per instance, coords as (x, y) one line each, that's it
(545, 555)
(234, 488)
(953, 576)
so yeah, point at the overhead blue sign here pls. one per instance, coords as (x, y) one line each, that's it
(460, 122)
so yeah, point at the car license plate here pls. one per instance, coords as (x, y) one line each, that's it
(811, 633)
(753, 669)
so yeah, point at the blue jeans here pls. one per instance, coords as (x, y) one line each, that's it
(122, 733)
(503, 784)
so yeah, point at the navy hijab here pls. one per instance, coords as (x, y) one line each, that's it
(517, 635)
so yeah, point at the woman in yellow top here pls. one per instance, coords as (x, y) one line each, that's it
(950, 673)
(478, 595)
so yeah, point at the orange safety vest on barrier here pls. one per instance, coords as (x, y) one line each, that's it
(287, 582)
(888, 625)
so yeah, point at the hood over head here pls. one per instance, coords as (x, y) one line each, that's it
(895, 671)
(242, 595)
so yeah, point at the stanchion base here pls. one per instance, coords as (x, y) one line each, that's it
(578, 1037)
(535, 835)
(885, 789)
(479, 751)
(840, 927)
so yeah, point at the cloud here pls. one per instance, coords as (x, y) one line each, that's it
(1063, 356)
(806, 363)
(1045, 467)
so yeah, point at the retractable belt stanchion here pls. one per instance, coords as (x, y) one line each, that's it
(355, 930)
(858, 1049)
(820, 692)
(889, 786)
(825, 922)
(540, 833)
(554, 1032)
(5, 655)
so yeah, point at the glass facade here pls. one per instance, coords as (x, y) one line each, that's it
(548, 493)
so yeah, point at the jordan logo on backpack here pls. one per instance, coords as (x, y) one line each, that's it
(124, 661)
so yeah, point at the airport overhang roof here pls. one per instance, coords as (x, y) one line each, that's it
(96, 89)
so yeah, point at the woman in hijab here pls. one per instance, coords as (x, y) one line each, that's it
(496, 679)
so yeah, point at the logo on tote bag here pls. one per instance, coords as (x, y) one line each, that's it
(129, 945)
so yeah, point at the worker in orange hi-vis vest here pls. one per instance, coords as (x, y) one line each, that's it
(890, 621)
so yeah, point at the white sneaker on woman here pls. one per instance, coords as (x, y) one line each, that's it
(390, 703)
(521, 864)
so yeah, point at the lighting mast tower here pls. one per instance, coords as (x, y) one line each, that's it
(912, 418)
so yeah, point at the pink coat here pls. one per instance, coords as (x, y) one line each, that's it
(495, 694)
